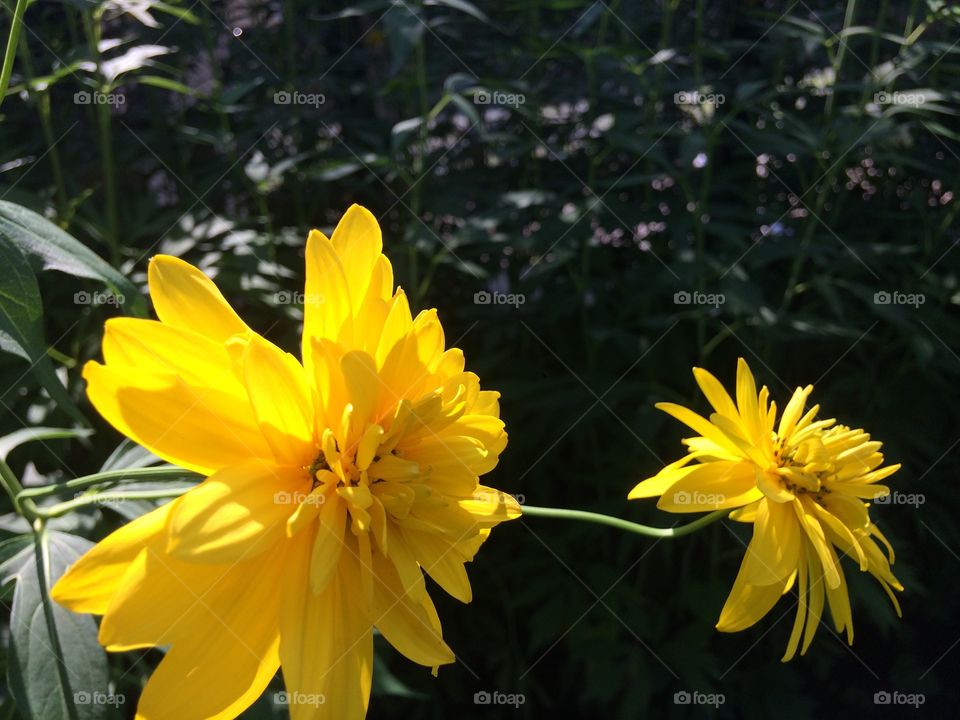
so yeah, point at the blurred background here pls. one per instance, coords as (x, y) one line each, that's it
(597, 196)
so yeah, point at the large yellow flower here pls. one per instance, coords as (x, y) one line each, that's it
(333, 485)
(803, 487)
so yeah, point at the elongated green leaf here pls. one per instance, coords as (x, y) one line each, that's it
(39, 238)
(21, 323)
(33, 671)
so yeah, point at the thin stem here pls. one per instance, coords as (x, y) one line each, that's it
(150, 473)
(11, 484)
(620, 524)
(16, 25)
(841, 54)
(107, 497)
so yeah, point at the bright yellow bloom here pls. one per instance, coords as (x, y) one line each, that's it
(333, 485)
(803, 487)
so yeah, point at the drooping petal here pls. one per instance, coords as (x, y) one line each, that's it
(404, 622)
(224, 648)
(326, 644)
(774, 551)
(747, 603)
(90, 583)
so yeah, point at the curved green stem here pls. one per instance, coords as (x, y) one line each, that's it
(106, 497)
(150, 473)
(620, 524)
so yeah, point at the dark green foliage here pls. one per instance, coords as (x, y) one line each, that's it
(804, 208)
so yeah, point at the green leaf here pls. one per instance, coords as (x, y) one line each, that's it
(21, 323)
(40, 239)
(40, 685)
(31, 434)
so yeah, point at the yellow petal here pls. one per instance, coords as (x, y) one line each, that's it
(226, 652)
(358, 242)
(716, 394)
(747, 603)
(747, 401)
(187, 299)
(326, 645)
(327, 307)
(441, 562)
(201, 429)
(236, 513)
(90, 583)
(489, 507)
(711, 486)
(151, 347)
(363, 389)
(404, 622)
(328, 543)
(701, 425)
(774, 550)
(282, 401)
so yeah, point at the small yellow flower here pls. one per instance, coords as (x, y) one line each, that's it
(801, 483)
(333, 484)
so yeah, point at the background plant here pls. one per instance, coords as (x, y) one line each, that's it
(656, 186)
